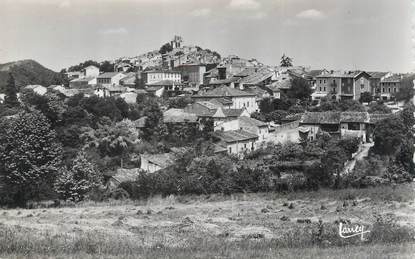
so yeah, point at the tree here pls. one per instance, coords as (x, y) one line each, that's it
(106, 66)
(406, 91)
(76, 183)
(266, 105)
(389, 134)
(286, 61)
(179, 102)
(300, 89)
(10, 99)
(379, 107)
(31, 156)
(351, 105)
(165, 48)
(154, 117)
(365, 97)
(333, 163)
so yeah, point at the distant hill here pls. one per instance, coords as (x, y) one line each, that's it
(27, 72)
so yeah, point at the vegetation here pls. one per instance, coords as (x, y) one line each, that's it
(286, 61)
(406, 91)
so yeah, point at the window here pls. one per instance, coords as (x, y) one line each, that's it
(245, 145)
(394, 89)
(320, 88)
(324, 80)
(383, 89)
(324, 89)
(230, 149)
(247, 104)
(389, 89)
(320, 82)
(334, 81)
(362, 86)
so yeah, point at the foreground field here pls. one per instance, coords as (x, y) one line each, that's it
(298, 225)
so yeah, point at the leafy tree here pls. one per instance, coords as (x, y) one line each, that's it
(276, 116)
(286, 61)
(179, 102)
(300, 89)
(106, 66)
(154, 117)
(266, 105)
(379, 107)
(10, 98)
(333, 163)
(165, 48)
(30, 157)
(365, 97)
(83, 65)
(351, 105)
(406, 90)
(389, 134)
(75, 184)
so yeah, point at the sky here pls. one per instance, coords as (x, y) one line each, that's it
(372, 35)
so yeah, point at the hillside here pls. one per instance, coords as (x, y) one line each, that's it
(28, 72)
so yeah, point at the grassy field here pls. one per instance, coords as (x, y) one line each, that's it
(294, 225)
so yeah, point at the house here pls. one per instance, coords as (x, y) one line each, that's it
(123, 175)
(154, 162)
(172, 88)
(240, 99)
(130, 79)
(389, 86)
(109, 90)
(375, 78)
(341, 124)
(110, 78)
(179, 116)
(38, 89)
(90, 71)
(192, 73)
(247, 124)
(236, 142)
(215, 111)
(154, 76)
(257, 77)
(129, 97)
(341, 86)
(83, 82)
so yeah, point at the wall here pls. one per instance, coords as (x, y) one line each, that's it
(149, 166)
(361, 85)
(247, 102)
(239, 148)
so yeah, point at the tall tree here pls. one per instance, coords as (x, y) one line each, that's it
(286, 61)
(10, 99)
(31, 156)
(300, 89)
(406, 91)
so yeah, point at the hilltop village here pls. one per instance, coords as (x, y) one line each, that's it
(166, 118)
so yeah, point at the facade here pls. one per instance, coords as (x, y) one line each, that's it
(154, 76)
(341, 86)
(153, 163)
(90, 71)
(192, 73)
(389, 86)
(375, 79)
(341, 124)
(110, 78)
(237, 142)
(83, 82)
(240, 99)
(109, 90)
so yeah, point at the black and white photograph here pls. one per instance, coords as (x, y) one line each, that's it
(207, 129)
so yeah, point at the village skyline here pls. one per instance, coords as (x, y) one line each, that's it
(317, 35)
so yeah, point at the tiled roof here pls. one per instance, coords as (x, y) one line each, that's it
(376, 117)
(126, 175)
(224, 91)
(162, 160)
(354, 117)
(375, 74)
(330, 117)
(165, 82)
(320, 118)
(257, 77)
(351, 74)
(108, 74)
(253, 122)
(316, 72)
(234, 135)
(83, 79)
(233, 112)
(392, 79)
(178, 116)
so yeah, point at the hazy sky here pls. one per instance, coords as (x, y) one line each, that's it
(332, 34)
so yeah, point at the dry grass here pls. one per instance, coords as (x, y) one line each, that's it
(216, 226)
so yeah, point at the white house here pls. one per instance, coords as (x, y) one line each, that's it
(110, 78)
(90, 71)
(152, 163)
(237, 142)
(40, 90)
(154, 76)
(240, 99)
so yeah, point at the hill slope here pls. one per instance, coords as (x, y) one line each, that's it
(28, 72)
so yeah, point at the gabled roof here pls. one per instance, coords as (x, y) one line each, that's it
(392, 79)
(178, 116)
(223, 91)
(330, 117)
(108, 74)
(234, 136)
(162, 160)
(362, 117)
(253, 122)
(377, 75)
(257, 77)
(315, 72)
(126, 175)
(320, 118)
(351, 74)
(376, 117)
(164, 83)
